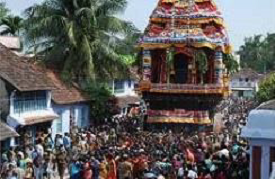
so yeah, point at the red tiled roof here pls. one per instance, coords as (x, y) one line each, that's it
(63, 93)
(246, 73)
(27, 76)
(39, 119)
(125, 100)
(20, 73)
(6, 132)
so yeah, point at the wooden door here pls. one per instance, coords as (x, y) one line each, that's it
(272, 157)
(256, 162)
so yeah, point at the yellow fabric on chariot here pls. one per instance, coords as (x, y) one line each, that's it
(178, 120)
(188, 91)
(169, 1)
(150, 46)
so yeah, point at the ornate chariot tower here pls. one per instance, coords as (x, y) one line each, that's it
(183, 75)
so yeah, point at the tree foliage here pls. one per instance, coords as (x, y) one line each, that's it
(127, 47)
(103, 104)
(11, 25)
(79, 36)
(267, 89)
(258, 53)
(4, 11)
(230, 63)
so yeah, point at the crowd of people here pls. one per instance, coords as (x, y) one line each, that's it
(120, 150)
(104, 153)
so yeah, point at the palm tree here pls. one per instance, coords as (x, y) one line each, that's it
(79, 36)
(11, 25)
(251, 53)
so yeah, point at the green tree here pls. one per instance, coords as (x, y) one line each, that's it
(258, 53)
(128, 44)
(103, 105)
(79, 36)
(4, 11)
(127, 49)
(267, 89)
(11, 25)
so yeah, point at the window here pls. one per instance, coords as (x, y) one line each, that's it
(129, 83)
(240, 80)
(246, 80)
(241, 93)
(58, 123)
(83, 117)
(119, 86)
(136, 85)
(30, 101)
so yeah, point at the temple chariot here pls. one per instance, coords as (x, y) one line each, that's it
(183, 75)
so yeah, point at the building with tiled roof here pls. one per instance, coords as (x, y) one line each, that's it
(245, 83)
(64, 93)
(34, 98)
(124, 89)
(70, 103)
(25, 93)
(20, 73)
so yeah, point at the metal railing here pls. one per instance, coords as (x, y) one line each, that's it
(118, 91)
(22, 106)
(242, 84)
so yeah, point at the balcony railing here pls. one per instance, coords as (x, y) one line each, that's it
(119, 91)
(242, 85)
(22, 106)
(184, 88)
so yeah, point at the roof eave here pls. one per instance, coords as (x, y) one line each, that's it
(57, 102)
(6, 78)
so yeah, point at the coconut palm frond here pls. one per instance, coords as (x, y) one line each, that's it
(82, 34)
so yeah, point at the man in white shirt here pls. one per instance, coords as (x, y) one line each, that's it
(191, 173)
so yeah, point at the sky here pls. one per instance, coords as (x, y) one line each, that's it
(244, 18)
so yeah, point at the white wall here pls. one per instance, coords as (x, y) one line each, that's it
(236, 83)
(81, 120)
(64, 116)
(128, 90)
